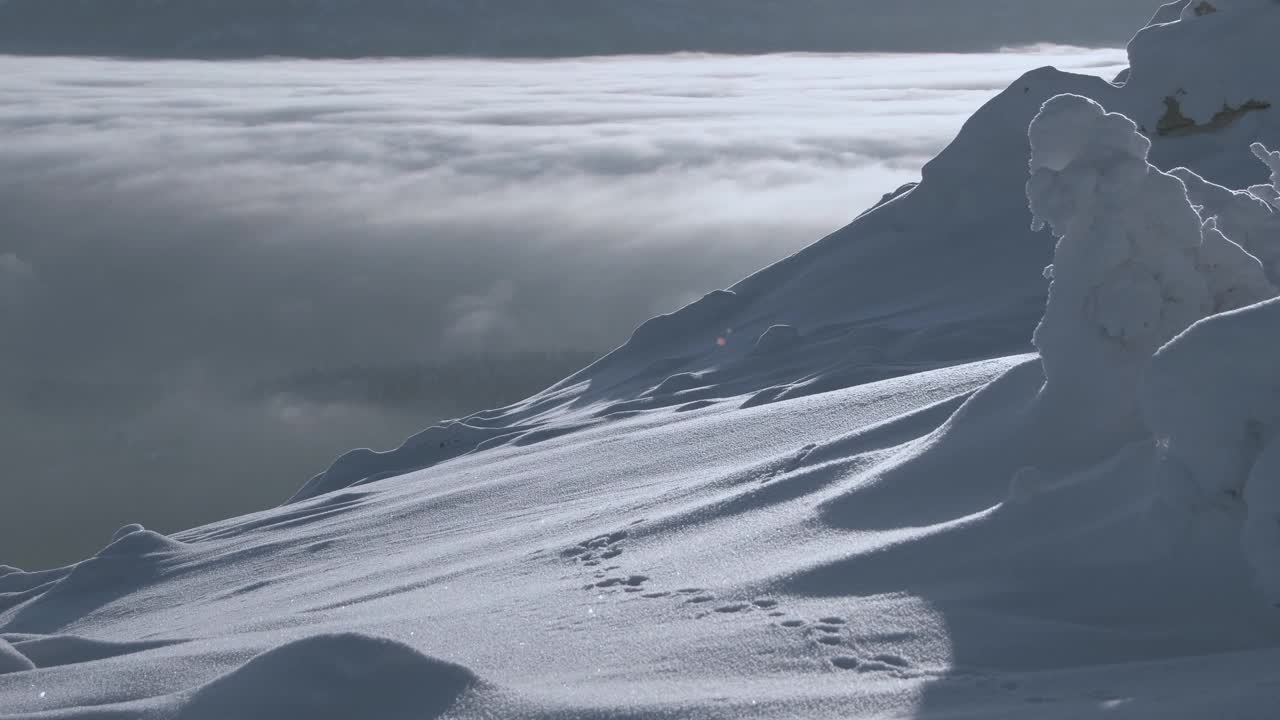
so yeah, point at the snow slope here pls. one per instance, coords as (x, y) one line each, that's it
(844, 487)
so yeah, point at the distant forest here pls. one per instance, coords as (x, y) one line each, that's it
(552, 28)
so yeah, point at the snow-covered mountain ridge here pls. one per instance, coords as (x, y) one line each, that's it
(909, 307)
(844, 487)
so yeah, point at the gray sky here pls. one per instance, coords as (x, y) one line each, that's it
(554, 28)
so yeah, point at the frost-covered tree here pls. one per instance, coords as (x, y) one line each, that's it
(1270, 194)
(1241, 215)
(1212, 399)
(1134, 264)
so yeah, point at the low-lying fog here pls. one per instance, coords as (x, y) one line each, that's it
(215, 277)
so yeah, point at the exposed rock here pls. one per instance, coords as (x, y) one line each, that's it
(1174, 123)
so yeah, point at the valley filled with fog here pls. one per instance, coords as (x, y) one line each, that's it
(214, 278)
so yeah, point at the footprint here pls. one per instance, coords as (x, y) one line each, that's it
(832, 620)
(848, 662)
(765, 604)
(829, 640)
(634, 581)
(892, 660)
(607, 540)
(828, 628)
(844, 662)
(653, 595)
(697, 599)
(601, 547)
(793, 623)
(733, 608)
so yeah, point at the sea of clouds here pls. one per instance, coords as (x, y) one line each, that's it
(174, 232)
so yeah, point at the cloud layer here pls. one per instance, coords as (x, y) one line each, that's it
(202, 226)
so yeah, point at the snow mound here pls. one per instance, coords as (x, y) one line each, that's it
(1212, 86)
(429, 447)
(1212, 398)
(48, 601)
(126, 530)
(333, 677)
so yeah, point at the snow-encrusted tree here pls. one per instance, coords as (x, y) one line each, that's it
(1134, 264)
(1212, 397)
(1249, 217)
(1270, 194)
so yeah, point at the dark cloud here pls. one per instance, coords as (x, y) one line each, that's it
(175, 232)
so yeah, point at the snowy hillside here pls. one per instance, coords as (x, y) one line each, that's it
(550, 28)
(939, 464)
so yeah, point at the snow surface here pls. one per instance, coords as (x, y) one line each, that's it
(843, 487)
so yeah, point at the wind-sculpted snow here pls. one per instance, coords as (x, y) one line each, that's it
(50, 601)
(841, 489)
